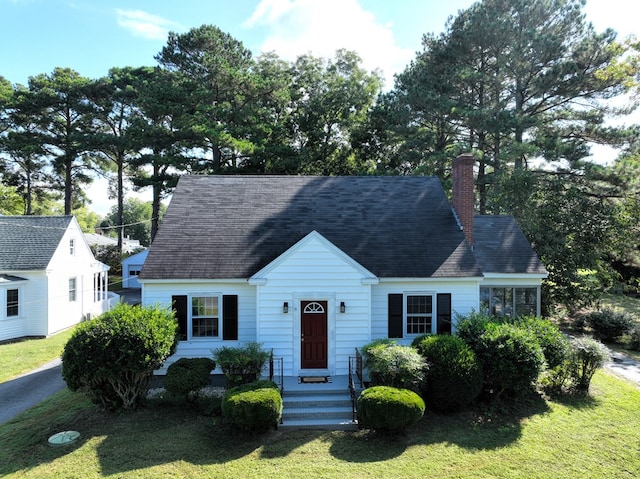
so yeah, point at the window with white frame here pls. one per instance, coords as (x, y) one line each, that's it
(73, 289)
(72, 247)
(509, 301)
(419, 313)
(13, 303)
(205, 320)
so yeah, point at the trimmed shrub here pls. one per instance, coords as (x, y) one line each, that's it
(112, 358)
(472, 326)
(253, 407)
(454, 378)
(188, 375)
(390, 364)
(555, 345)
(389, 409)
(511, 358)
(609, 325)
(242, 364)
(588, 355)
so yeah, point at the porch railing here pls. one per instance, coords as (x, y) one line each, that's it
(276, 371)
(355, 371)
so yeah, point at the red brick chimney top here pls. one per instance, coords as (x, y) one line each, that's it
(463, 195)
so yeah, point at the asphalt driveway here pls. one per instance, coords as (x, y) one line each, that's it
(24, 392)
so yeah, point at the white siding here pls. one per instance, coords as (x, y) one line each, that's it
(133, 263)
(464, 299)
(161, 293)
(65, 264)
(314, 270)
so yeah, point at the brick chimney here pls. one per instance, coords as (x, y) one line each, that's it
(463, 195)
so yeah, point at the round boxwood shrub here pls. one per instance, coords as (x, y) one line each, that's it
(454, 378)
(511, 358)
(556, 347)
(389, 409)
(609, 325)
(252, 407)
(112, 358)
(188, 375)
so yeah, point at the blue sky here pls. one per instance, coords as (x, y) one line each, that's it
(91, 36)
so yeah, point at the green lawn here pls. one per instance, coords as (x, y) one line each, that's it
(21, 357)
(620, 301)
(587, 437)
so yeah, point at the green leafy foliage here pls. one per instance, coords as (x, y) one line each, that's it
(112, 358)
(389, 409)
(454, 378)
(252, 407)
(242, 364)
(609, 325)
(555, 345)
(587, 357)
(390, 364)
(634, 339)
(511, 359)
(187, 375)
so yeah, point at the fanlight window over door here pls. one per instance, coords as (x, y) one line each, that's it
(313, 308)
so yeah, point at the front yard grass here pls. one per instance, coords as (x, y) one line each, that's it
(572, 437)
(23, 356)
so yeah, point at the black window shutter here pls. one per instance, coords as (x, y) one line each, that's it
(395, 315)
(179, 304)
(444, 313)
(230, 317)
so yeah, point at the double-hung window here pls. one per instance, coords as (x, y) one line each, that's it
(205, 316)
(73, 289)
(13, 303)
(419, 313)
(416, 313)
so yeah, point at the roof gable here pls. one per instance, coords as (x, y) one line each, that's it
(223, 227)
(29, 242)
(313, 236)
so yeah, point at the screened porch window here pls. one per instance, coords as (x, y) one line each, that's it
(509, 301)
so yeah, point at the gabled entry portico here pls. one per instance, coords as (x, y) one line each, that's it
(313, 336)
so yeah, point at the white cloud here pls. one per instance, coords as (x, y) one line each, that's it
(296, 27)
(146, 25)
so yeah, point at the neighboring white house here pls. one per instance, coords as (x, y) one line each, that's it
(131, 267)
(315, 267)
(49, 279)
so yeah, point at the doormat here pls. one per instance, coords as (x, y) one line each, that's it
(314, 379)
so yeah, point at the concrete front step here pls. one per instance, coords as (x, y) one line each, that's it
(320, 409)
(319, 423)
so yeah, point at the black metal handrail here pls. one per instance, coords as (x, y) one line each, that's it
(280, 371)
(359, 367)
(352, 387)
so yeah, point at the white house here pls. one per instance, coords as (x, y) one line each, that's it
(315, 267)
(49, 279)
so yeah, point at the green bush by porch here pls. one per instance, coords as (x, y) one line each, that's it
(253, 407)
(389, 409)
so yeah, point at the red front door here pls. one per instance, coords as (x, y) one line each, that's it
(314, 334)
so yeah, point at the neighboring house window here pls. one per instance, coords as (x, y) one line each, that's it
(509, 301)
(203, 322)
(72, 247)
(412, 314)
(13, 303)
(73, 285)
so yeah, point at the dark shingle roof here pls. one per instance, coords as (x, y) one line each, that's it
(28, 242)
(501, 247)
(232, 226)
